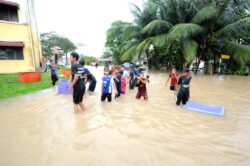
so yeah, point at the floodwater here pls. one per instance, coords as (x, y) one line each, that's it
(41, 129)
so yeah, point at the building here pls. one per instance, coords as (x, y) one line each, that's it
(107, 60)
(20, 49)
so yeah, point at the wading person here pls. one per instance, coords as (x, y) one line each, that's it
(142, 90)
(137, 72)
(183, 93)
(123, 83)
(131, 78)
(107, 86)
(173, 77)
(89, 77)
(77, 83)
(53, 72)
(118, 82)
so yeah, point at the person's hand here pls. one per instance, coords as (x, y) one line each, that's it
(70, 89)
(116, 92)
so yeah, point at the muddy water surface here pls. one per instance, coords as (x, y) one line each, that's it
(41, 129)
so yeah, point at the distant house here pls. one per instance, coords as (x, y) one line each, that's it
(19, 40)
(107, 60)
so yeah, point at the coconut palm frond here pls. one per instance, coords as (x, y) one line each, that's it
(160, 40)
(184, 31)
(122, 47)
(237, 29)
(206, 13)
(131, 32)
(190, 50)
(157, 27)
(135, 10)
(240, 53)
(145, 44)
(129, 54)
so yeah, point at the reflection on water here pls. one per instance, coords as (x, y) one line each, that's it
(41, 129)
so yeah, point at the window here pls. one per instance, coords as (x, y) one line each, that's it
(11, 53)
(8, 13)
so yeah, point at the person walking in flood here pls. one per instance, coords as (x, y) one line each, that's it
(53, 72)
(183, 93)
(107, 86)
(142, 90)
(131, 78)
(123, 83)
(173, 77)
(137, 72)
(88, 77)
(118, 80)
(77, 83)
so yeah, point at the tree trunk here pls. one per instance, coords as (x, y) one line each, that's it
(197, 65)
(148, 59)
(214, 68)
(209, 68)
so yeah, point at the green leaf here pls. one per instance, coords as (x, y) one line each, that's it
(145, 44)
(206, 13)
(190, 50)
(240, 53)
(131, 32)
(184, 31)
(237, 29)
(157, 27)
(160, 40)
(129, 54)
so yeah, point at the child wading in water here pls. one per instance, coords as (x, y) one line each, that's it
(107, 84)
(131, 78)
(118, 84)
(173, 77)
(142, 90)
(53, 70)
(123, 83)
(183, 93)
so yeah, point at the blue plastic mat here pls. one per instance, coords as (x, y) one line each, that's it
(63, 87)
(209, 109)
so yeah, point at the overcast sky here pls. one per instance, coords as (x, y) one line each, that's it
(83, 21)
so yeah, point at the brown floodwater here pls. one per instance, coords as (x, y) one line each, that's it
(41, 129)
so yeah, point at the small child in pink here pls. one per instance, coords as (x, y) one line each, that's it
(123, 83)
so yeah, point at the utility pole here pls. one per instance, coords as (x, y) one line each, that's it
(34, 32)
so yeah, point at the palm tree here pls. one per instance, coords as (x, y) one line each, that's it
(203, 30)
(134, 35)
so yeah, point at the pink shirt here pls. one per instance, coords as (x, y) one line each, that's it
(123, 82)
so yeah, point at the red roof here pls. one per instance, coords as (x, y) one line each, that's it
(11, 44)
(14, 4)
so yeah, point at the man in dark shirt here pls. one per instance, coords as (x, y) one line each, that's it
(183, 88)
(77, 83)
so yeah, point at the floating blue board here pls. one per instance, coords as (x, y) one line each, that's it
(63, 87)
(209, 109)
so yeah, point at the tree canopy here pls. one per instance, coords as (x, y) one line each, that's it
(186, 31)
(51, 39)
